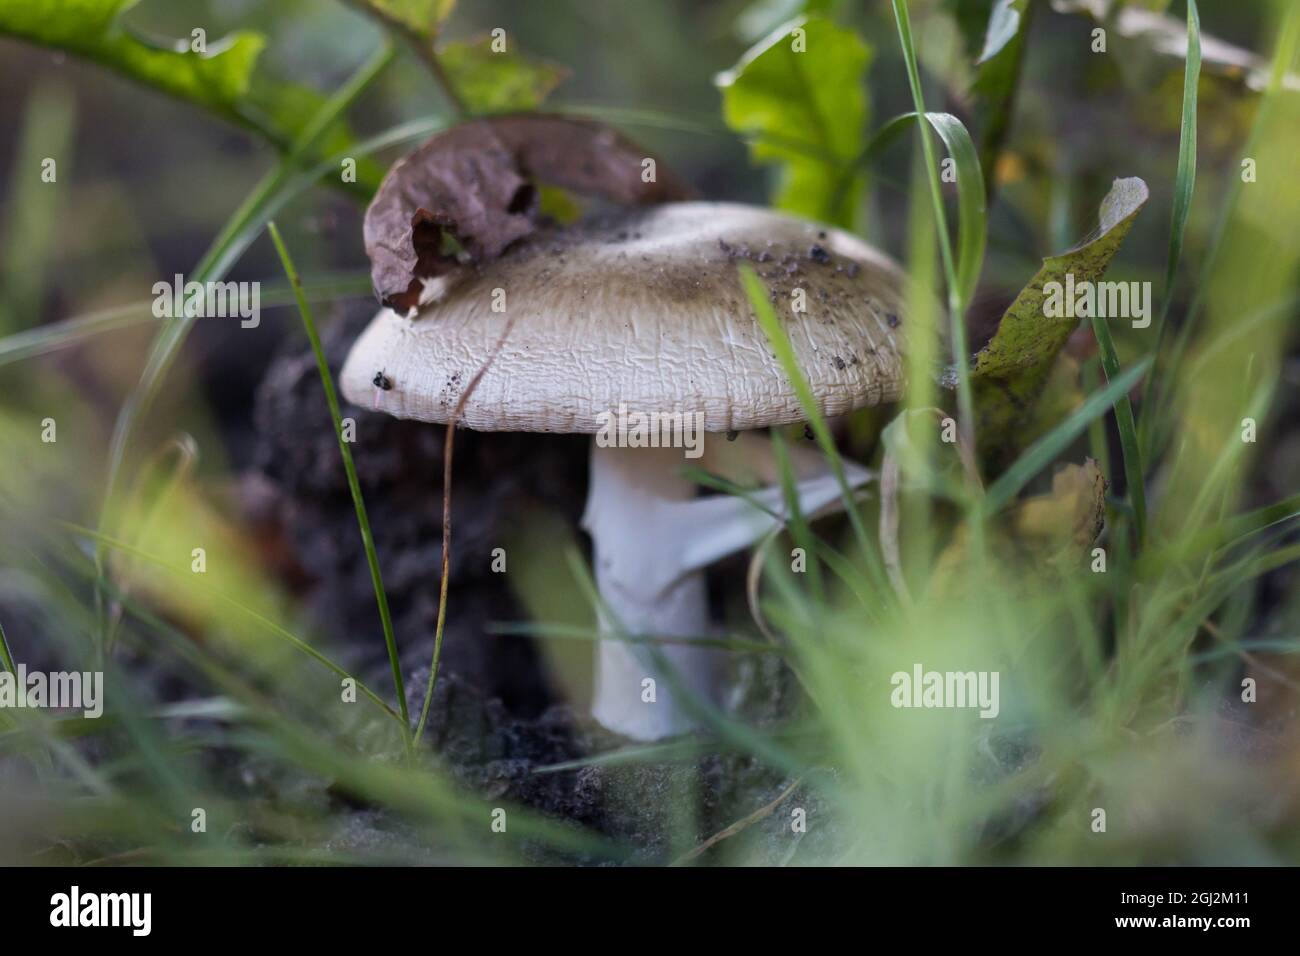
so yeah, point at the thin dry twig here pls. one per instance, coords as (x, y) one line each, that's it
(446, 522)
(739, 825)
(891, 475)
(754, 577)
(1213, 630)
(186, 450)
(423, 49)
(890, 479)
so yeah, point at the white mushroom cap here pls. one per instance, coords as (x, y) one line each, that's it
(645, 309)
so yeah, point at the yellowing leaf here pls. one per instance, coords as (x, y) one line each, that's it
(1009, 373)
(491, 82)
(1064, 523)
(1053, 532)
(419, 17)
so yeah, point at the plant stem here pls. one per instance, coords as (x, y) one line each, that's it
(956, 307)
(448, 447)
(1038, 455)
(1134, 476)
(1184, 185)
(444, 583)
(6, 655)
(422, 47)
(1283, 56)
(354, 486)
(238, 232)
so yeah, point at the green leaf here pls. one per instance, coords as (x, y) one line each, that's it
(418, 17)
(972, 213)
(1004, 25)
(1038, 455)
(490, 82)
(217, 79)
(1010, 372)
(222, 79)
(779, 341)
(800, 95)
(354, 485)
(972, 232)
(763, 16)
(994, 33)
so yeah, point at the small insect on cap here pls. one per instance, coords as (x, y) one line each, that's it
(644, 308)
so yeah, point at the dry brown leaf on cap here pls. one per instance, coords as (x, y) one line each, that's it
(471, 191)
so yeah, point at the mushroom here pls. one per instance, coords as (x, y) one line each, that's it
(634, 328)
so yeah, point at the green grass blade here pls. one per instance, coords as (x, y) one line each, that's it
(1184, 186)
(705, 125)
(240, 230)
(796, 520)
(706, 479)
(1283, 56)
(35, 207)
(674, 750)
(110, 543)
(6, 655)
(780, 344)
(1233, 532)
(69, 332)
(1037, 456)
(972, 216)
(738, 733)
(1134, 475)
(354, 486)
(1098, 446)
(1185, 182)
(572, 632)
(972, 209)
(1228, 535)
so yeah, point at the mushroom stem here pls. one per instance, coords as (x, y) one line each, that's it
(651, 539)
(646, 591)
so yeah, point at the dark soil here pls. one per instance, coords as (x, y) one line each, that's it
(299, 495)
(495, 721)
